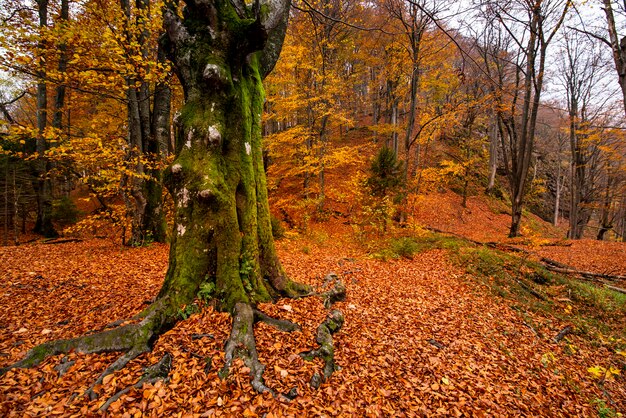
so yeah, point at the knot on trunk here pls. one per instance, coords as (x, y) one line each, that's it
(177, 169)
(207, 197)
(215, 75)
(213, 137)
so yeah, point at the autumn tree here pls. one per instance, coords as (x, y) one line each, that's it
(531, 27)
(617, 44)
(580, 72)
(103, 55)
(222, 242)
(308, 104)
(148, 111)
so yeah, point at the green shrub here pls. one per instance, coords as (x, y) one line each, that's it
(64, 211)
(386, 176)
(404, 247)
(207, 289)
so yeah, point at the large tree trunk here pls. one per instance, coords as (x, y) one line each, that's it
(222, 241)
(222, 231)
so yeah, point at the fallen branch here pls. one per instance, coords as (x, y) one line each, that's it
(565, 331)
(615, 289)
(559, 243)
(505, 247)
(530, 290)
(62, 241)
(527, 325)
(555, 263)
(588, 274)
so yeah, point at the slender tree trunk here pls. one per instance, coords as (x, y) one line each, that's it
(392, 104)
(606, 223)
(618, 48)
(42, 184)
(158, 148)
(493, 154)
(16, 206)
(6, 202)
(557, 197)
(322, 163)
(143, 196)
(59, 99)
(408, 134)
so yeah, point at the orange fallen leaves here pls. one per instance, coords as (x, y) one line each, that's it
(490, 363)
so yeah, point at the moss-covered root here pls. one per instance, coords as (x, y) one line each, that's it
(279, 324)
(118, 364)
(326, 351)
(118, 339)
(131, 340)
(241, 343)
(151, 374)
(336, 294)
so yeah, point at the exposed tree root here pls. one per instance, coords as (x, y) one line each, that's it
(132, 340)
(118, 364)
(326, 351)
(151, 374)
(279, 324)
(333, 323)
(241, 343)
(336, 294)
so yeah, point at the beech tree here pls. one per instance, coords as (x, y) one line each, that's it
(222, 242)
(531, 26)
(617, 44)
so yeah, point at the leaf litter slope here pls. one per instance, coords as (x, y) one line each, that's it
(420, 338)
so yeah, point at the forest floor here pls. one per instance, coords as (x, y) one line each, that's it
(426, 336)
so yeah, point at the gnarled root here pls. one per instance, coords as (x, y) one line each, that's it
(241, 343)
(132, 340)
(118, 364)
(151, 374)
(279, 324)
(326, 351)
(336, 294)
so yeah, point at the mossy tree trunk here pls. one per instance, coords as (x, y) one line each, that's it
(222, 234)
(222, 241)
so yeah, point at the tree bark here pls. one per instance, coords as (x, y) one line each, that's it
(42, 184)
(158, 147)
(493, 154)
(618, 48)
(221, 52)
(222, 242)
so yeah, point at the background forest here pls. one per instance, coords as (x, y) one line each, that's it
(398, 143)
(372, 105)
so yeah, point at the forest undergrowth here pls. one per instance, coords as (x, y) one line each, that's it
(448, 329)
